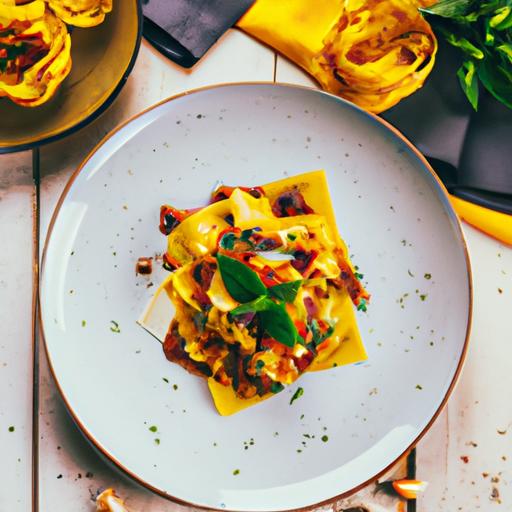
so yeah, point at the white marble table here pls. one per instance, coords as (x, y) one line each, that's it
(46, 465)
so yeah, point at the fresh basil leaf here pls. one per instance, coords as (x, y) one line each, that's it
(469, 82)
(278, 324)
(242, 283)
(449, 8)
(285, 291)
(496, 80)
(260, 304)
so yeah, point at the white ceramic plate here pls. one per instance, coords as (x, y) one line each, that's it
(401, 231)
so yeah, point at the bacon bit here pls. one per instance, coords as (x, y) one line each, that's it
(321, 293)
(301, 328)
(203, 274)
(225, 192)
(303, 260)
(406, 56)
(169, 263)
(358, 56)
(464, 458)
(342, 23)
(353, 286)
(409, 489)
(399, 15)
(169, 218)
(144, 266)
(291, 203)
(311, 308)
(303, 361)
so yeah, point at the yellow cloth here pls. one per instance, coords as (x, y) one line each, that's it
(371, 52)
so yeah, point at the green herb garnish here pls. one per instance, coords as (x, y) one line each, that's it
(285, 291)
(278, 324)
(242, 283)
(228, 241)
(262, 303)
(245, 286)
(114, 327)
(482, 30)
(153, 428)
(276, 387)
(296, 395)
(11, 429)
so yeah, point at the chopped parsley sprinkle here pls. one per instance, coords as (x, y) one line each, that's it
(11, 429)
(291, 237)
(296, 395)
(236, 472)
(302, 416)
(325, 438)
(423, 297)
(165, 380)
(175, 387)
(84, 323)
(362, 305)
(153, 428)
(276, 387)
(418, 386)
(114, 327)
(428, 276)
(157, 441)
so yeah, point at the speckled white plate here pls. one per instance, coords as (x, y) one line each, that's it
(157, 422)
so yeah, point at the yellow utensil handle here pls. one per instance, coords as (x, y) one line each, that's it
(495, 224)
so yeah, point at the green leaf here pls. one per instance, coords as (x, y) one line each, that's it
(489, 35)
(285, 291)
(500, 16)
(262, 303)
(469, 82)
(449, 8)
(506, 49)
(496, 81)
(242, 283)
(465, 45)
(506, 23)
(278, 324)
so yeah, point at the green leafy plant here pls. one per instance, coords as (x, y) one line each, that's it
(482, 30)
